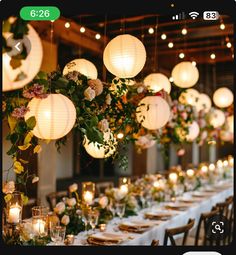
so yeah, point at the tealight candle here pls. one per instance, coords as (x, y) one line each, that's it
(211, 167)
(225, 163)
(219, 163)
(231, 161)
(156, 184)
(39, 226)
(190, 173)
(173, 177)
(88, 197)
(124, 189)
(14, 214)
(204, 169)
(69, 239)
(102, 227)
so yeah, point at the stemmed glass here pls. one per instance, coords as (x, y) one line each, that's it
(86, 217)
(112, 209)
(57, 234)
(93, 219)
(120, 209)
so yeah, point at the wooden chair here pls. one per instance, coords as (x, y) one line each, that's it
(231, 219)
(155, 242)
(171, 232)
(54, 197)
(102, 186)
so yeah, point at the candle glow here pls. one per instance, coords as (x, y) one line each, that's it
(204, 169)
(190, 173)
(88, 197)
(39, 226)
(14, 214)
(173, 177)
(211, 167)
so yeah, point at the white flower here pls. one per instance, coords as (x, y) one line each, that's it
(145, 141)
(108, 99)
(73, 187)
(71, 201)
(103, 201)
(132, 202)
(35, 179)
(103, 125)
(9, 187)
(65, 220)
(89, 94)
(96, 85)
(60, 208)
(119, 194)
(140, 89)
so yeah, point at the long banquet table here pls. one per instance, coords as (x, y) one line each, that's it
(157, 232)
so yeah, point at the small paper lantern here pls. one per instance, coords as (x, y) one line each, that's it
(124, 56)
(223, 97)
(185, 74)
(55, 116)
(230, 122)
(190, 96)
(83, 66)
(217, 118)
(97, 150)
(17, 78)
(153, 112)
(193, 131)
(203, 103)
(157, 82)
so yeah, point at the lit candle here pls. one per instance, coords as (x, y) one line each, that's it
(211, 167)
(39, 226)
(88, 197)
(190, 173)
(219, 163)
(204, 169)
(156, 184)
(124, 188)
(231, 161)
(14, 214)
(102, 227)
(173, 177)
(225, 163)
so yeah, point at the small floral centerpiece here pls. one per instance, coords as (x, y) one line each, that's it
(158, 190)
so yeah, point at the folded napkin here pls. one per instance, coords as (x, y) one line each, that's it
(106, 238)
(159, 215)
(178, 206)
(200, 194)
(137, 226)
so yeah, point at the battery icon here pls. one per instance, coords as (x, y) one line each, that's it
(211, 15)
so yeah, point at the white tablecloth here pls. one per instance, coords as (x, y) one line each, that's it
(157, 232)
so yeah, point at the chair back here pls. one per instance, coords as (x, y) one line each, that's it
(171, 232)
(102, 186)
(54, 197)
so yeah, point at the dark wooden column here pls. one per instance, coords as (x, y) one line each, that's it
(139, 163)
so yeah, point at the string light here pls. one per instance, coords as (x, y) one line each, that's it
(229, 45)
(170, 45)
(120, 135)
(194, 63)
(171, 79)
(163, 36)
(181, 55)
(150, 30)
(172, 5)
(222, 26)
(82, 29)
(213, 56)
(97, 36)
(67, 24)
(184, 31)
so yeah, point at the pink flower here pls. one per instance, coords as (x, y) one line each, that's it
(103, 125)
(36, 90)
(184, 115)
(174, 109)
(180, 152)
(20, 112)
(9, 187)
(96, 85)
(89, 94)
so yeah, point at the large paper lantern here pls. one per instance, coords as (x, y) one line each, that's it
(203, 103)
(124, 56)
(83, 66)
(216, 118)
(157, 82)
(22, 75)
(190, 96)
(193, 131)
(230, 122)
(97, 150)
(153, 112)
(223, 97)
(185, 74)
(55, 116)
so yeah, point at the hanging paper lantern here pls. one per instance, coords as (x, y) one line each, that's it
(230, 122)
(18, 77)
(157, 82)
(124, 56)
(153, 112)
(55, 116)
(97, 150)
(193, 131)
(185, 74)
(203, 103)
(83, 66)
(216, 118)
(223, 97)
(190, 96)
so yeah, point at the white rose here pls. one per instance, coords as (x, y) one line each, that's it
(89, 94)
(103, 201)
(132, 202)
(119, 194)
(103, 125)
(73, 187)
(71, 201)
(60, 208)
(108, 99)
(96, 85)
(140, 89)
(9, 187)
(35, 179)
(65, 220)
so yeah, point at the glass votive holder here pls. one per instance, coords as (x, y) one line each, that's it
(40, 227)
(88, 192)
(39, 211)
(102, 227)
(52, 220)
(14, 208)
(70, 239)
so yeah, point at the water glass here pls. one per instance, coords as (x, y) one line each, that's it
(120, 209)
(93, 218)
(86, 217)
(57, 234)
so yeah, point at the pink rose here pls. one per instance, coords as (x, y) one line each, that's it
(89, 94)
(96, 85)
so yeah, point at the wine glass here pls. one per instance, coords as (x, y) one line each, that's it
(57, 234)
(93, 219)
(120, 209)
(112, 209)
(86, 217)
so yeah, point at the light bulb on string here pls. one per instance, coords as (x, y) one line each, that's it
(170, 45)
(82, 30)
(163, 36)
(181, 55)
(229, 45)
(151, 30)
(184, 31)
(67, 24)
(222, 26)
(212, 56)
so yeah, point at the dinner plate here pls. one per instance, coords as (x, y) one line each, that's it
(178, 206)
(107, 238)
(159, 215)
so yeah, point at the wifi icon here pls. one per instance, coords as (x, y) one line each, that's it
(193, 15)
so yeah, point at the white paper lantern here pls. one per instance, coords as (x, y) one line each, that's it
(230, 122)
(55, 116)
(83, 66)
(203, 103)
(17, 78)
(157, 82)
(193, 131)
(185, 74)
(216, 118)
(223, 97)
(124, 56)
(153, 112)
(190, 96)
(97, 150)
